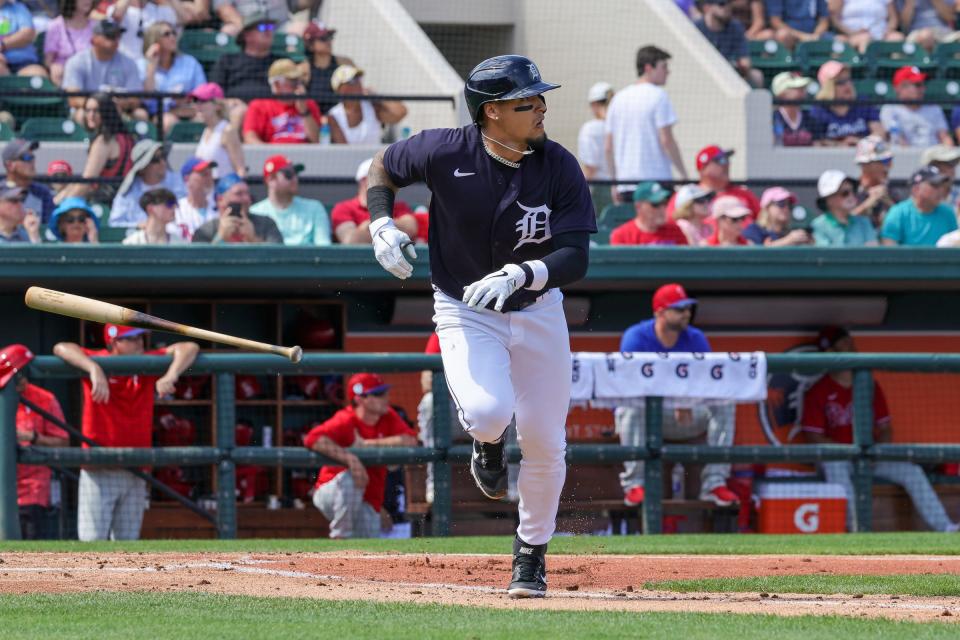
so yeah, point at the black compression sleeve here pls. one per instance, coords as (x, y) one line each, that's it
(568, 262)
(380, 202)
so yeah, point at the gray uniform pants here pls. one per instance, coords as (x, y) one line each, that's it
(906, 474)
(110, 505)
(716, 420)
(341, 502)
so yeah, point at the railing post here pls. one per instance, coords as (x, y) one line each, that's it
(441, 468)
(9, 512)
(653, 469)
(226, 468)
(863, 422)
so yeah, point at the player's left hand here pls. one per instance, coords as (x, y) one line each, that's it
(166, 385)
(498, 286)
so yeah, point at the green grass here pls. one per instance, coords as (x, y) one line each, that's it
(188, 616)
(840, 544)
(939, 584)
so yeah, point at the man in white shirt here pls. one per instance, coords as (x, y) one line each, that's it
(639, 127)
(198, 205)
(914, 125)
(591, 142)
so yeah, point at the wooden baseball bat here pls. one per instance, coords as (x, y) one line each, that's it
(66, 304)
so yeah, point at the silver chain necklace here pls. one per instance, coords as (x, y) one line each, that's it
(509, 163)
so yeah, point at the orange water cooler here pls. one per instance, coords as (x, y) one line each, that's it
(802, 507)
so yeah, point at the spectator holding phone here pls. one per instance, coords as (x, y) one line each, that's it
(235, 223)
(772, 228)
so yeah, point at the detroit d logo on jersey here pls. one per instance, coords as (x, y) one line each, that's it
(534, 226)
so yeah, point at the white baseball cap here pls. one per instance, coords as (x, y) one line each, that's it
(688, 193)
(363, 169)
(599, 92)
(830, 182)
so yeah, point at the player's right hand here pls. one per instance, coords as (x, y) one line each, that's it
(99, 385)
(389, 245)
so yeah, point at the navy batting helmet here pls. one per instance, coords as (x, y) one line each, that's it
(503, 78)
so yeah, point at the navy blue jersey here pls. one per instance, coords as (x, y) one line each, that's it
(484, 214)
(641, 337)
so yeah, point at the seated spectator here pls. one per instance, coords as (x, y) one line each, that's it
(794, 22)
(320, 64)
(282, 120)
(20, 164)
(220, 140)
(165, 69)
(772, 228)
(670, 331)
(752, 15)
(650, 226)
(359, 121)
(713, 165)
(246, 72)
(18, 55)
(861, 21)
(927, 22)
(149, 171)
(110, 151)
(74, 222)
(302, 221)
(235, 13)
(136, 16)
(68, 34)
(33, 481)
(914, 125)
(58, 169)
(350, 496)
(727, 35)
(102, 68)
(692, 213)
(15, 225)
(351, 218)
(827, 418)
(161, 208)
(841, 124)
(945, 159)
(874, 193)
(198, 206)
(792, 126)
(235, 223)
(837, 226)
(728, 214)
(923, 218)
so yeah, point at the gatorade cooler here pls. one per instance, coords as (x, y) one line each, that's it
(802, 507)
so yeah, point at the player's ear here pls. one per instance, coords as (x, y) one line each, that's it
(491, 111)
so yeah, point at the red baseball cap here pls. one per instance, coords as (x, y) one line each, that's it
(671, 296)
(13, 358)
(908, 74)
(278, 162)
(317, 30)
(710, 154)
(113, 331)
(829, 336)
(59, 166)
(361, 384)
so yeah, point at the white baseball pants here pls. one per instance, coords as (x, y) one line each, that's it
(341, 502)
(498, 365)
(110, 505)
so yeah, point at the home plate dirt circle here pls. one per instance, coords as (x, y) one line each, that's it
(598, 582)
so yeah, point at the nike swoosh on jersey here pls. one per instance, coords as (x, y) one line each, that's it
(458, 174)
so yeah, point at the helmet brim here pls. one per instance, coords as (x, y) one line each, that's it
(527, 92)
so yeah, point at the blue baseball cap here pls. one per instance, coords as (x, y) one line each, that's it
(195, 164)
(227, 181)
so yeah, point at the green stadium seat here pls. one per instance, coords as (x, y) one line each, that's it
(287, 45)
(6, 133)
(23, 106)
(142, 129)
(771, 58)
(801, 217)
(943, 90)
(207, 46)
(874, 88)
(53, 130)
(112, 235)
(612, 216)
(810, 55)
(102, 212)
(186, 132)
(884, 58)
(947, 57)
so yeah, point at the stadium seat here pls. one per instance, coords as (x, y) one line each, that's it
(112, 235)
(287, 45)
(102, 212)
(6, 133)
(142, 129)
(22, 105)
(186, 132)
(942, 90)
(810, 55)
(947, 58)
(873, 88)
(53, 130)
(801, 217)
(612, 216)
(770, 57)
(884, 58)
(207, 46)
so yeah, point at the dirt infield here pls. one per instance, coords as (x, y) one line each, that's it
(576, 582)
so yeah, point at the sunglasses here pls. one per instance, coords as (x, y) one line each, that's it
(327, 38)
(377, 394)
(288, 172)
(18, 199)
(846, 193)
(27, 157)
(703, 200)
(157, 158)
(783, 204)
(74, 219)
(171, 203)
(266, 27)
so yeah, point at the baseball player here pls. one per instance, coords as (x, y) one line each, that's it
(510, 219)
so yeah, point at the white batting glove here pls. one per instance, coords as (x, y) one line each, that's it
(499, 285)
(389, 245)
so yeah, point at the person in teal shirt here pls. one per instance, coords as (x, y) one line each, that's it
(302, 221)
(837, 226)
(921, 219)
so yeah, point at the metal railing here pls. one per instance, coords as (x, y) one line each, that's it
(225, 455)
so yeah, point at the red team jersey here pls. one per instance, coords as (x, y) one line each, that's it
(828, 410)
(33, 481)
(127, 419)
(341, 429)
(630, 234)
(352, 211)
(277, 122)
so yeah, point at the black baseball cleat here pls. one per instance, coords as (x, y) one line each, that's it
(488, 466)
(529, 570)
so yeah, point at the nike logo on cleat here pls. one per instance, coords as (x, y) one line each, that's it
(458, 174)
(526, 550)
